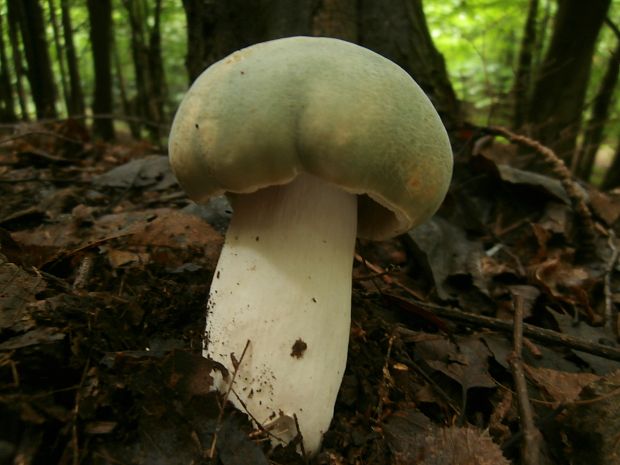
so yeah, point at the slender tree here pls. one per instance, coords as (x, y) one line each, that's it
(148, 62)
(557, 101)
(523, 77)
(7, 103)
(76, 97)
(158, 90)
(29, 16)
(100, 13)
(20, 72)
(128, 110)
(59, 53)
(603, 101)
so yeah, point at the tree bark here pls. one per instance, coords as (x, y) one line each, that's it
(29, 15)
(7, 103)
(216, 29)
(76, 97)
(336, 18)
(523, 77)
(100, 14)
(558, 98)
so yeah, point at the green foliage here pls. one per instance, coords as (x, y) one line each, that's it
(480, 40)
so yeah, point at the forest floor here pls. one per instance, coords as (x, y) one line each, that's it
(486, 336)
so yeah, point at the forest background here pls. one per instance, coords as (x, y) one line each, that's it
(546, 68)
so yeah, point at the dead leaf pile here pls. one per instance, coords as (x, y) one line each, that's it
(105, 268)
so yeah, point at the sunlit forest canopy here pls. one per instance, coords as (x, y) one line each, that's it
(482, 62)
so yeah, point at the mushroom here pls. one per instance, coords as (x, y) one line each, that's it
(315, 141)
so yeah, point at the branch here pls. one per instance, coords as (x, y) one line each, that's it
(586, 225)
(530, 448)
(613, 27)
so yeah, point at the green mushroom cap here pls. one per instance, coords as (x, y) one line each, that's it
(321, 106)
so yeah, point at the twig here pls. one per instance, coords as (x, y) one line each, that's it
(405, 359)
(613, 27)
(301, 437)
(609, 303)
(113, 116)
(75, 444)
(531, 331)
(56, 135)
(384, 388)
(220, 417)
(372, 276)
(586, 224)
(263, 430)
(530, 447)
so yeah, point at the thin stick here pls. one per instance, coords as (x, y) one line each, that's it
(384, 389)
(573, 191)
(531, 331)
(75, 443)
(611, 264)
(301, 438)
(530, 447)
(220, 417)
(254, 419)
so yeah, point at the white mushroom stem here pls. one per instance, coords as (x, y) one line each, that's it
(283, 282)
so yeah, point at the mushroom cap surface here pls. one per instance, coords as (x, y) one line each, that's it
(322, 106)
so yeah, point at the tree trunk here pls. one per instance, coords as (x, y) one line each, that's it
(29, 16)
(100, 13)
(140, 57)
(134, 126)
(157, 91)
(336, 18)
(523, 78)
(397, 29)
(216, 29)
(18, 66)
(7, 103)
(543, 35)
(600, 112)
(76, 97)
(394, 28)
(59, 54)
(559, 93)
(148, 63)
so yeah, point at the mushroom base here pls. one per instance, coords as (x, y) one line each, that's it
(283, 283)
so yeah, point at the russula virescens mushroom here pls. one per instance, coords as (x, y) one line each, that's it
(314, 140)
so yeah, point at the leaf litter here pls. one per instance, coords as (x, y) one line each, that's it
(105, 268)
